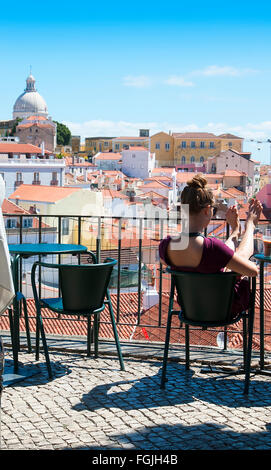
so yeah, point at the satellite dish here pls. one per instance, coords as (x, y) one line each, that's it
(220, 340)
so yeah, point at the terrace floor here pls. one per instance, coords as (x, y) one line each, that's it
(90, 404)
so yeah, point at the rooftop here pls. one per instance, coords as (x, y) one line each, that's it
(29, 192)
(11, 147)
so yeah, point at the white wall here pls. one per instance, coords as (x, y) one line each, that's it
(138, 163)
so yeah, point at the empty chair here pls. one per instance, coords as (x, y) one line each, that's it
(206, 301)
(83, 292)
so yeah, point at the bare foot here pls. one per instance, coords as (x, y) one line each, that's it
(232, 218)
(254, 211)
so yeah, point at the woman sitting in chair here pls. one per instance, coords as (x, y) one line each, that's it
(211, 255)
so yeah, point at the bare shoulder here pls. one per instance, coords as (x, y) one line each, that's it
(189, 256)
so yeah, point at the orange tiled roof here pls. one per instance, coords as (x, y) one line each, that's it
(108, 156)
(20, 148)
(29, 192)
(235, 173)
(194, 135)
(130, 138)
(155, 184)
(229, 136)
(36, 118)
(9, 207)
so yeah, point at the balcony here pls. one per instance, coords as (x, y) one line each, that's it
(139, 284)
(91, 404)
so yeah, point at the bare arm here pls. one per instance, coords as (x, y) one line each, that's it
(243, 266)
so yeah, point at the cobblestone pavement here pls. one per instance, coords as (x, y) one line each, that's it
(91, 404)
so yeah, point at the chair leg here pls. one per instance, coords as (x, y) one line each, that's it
(44, 342)
(89, 333)
(11, 328)
(187, 347)
(37, 338)
(27, 326)
(164, 367)
(244, 341)
(116, 336)
(249, 349)
(96, 334)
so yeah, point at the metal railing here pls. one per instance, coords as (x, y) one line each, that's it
(103, 234)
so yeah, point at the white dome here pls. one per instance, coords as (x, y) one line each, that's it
(30, 102)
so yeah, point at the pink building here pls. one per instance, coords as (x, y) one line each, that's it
(264, 195)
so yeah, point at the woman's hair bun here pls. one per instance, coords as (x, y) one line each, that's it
(197, 182)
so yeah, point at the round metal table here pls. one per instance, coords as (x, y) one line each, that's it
(25, 250)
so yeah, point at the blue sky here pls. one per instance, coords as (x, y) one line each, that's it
(112, 68)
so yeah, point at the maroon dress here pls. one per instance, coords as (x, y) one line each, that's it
(215, 257)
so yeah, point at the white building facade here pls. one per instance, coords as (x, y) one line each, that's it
(137, 163)
(36, 171)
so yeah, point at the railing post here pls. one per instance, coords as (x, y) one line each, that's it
(139, 269)
(160, 277)
(98, 241)
(118, 279)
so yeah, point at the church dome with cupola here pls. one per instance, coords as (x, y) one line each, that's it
(30, 102)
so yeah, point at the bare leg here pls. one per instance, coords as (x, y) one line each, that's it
(246, 246)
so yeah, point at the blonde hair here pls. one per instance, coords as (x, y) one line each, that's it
(196, 194)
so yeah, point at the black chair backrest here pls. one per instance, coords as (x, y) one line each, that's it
(83, 287)
(205, 298)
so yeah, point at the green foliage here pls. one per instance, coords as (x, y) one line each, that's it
(13, 130)
(63, 135)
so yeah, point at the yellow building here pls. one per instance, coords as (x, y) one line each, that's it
(191, 147)
(94, 145)
(162, 144)
(75, 143)
(121, 143)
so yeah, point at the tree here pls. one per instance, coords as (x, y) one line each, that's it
(13, 130)
(63, 134)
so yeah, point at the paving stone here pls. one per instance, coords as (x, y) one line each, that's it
(97, 406)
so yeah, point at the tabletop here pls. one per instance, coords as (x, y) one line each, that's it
(262, 257)
(45, 248)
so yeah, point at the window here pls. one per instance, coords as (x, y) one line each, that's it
(19, 177)
(36, 176)
(106, 144)
(157, 146)
(193, 144)
(183, 159)
(202, 145)
(3, 175)
(11, 223)
(212, 145)
(201, 159)
(192, 159)
(167, 146)
(230, 144)
(117, 146)
(27, 223)
(183, 145)
(54, 176)
(65, 226)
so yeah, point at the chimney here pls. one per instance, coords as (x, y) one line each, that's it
(42, 149)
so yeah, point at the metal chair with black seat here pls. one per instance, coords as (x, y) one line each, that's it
(84, 292)
(206, 301)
